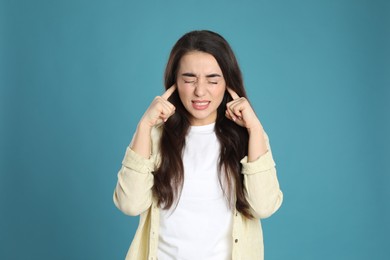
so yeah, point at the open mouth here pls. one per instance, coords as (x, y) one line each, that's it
(200, 105)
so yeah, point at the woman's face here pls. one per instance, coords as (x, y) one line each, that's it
(201, 86)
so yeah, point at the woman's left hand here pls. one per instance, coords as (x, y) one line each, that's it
(240, 111)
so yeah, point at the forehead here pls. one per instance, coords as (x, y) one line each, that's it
(199, 62)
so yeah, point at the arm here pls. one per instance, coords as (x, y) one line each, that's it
(260, 180)
(133, 192)
(261, 183)
(159, 111)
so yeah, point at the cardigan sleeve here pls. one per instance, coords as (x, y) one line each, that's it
(262, 185)
(133, 192)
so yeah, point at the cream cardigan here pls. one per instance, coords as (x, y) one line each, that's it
(133, 196)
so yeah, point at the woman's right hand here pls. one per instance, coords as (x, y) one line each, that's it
(159, 110)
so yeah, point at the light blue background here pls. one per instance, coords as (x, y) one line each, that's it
(77, 75)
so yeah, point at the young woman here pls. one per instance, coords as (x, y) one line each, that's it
(199, 169)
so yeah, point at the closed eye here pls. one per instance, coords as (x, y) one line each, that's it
(189, 78)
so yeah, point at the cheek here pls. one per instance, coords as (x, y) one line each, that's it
(183, 93)
(220, 93)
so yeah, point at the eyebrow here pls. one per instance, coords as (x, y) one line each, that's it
(188, 74)
(213, 75)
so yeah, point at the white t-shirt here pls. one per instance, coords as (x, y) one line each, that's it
(200, 227)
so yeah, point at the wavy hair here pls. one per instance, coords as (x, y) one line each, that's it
(169, 176)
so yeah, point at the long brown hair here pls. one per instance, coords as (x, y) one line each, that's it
(169, 177)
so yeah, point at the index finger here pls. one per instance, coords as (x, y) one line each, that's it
(232, 93)
(169, 92)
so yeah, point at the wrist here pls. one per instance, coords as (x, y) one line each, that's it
(255, 129)
(144, 126)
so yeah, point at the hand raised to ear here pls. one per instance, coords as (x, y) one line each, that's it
(160, 109)
(240, 111)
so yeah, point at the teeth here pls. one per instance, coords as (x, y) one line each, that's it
(201, 103)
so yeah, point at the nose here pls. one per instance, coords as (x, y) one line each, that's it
(200, 88)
